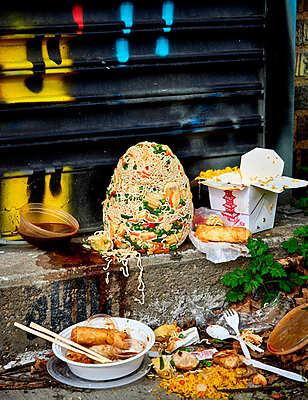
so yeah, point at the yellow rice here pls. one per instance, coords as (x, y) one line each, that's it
(199, 384)
(210, 173)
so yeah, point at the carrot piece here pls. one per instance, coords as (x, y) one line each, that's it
(159, 251)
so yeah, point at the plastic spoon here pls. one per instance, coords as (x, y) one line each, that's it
(219, 332)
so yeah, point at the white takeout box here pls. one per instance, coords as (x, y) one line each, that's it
(248, 197)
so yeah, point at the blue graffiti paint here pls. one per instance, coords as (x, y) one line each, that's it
(122, 50)
(162, 47)
(195, 121)
(127, 15)
(167, 14)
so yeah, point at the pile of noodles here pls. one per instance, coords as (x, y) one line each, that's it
(148, 207)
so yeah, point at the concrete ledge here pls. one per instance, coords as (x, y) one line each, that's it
(59, 288)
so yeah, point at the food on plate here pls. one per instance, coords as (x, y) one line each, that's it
(78, 357)
(214, 220)
(89, 336)
(222, 234)
(162, 367)
(185, 360)
(105, 350)
(227, 359)
(164, 332)
(111, 343)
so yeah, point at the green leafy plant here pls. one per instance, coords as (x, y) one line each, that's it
(300, 245)
(263, 276)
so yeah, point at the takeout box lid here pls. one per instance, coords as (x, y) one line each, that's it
(260, 168)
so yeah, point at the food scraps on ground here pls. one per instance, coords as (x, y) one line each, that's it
(204, 383)
(206, 378)
(185, 360)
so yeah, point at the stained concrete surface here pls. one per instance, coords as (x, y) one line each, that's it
(57, 289)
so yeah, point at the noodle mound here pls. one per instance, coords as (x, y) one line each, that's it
(149, 202)
(148, 206)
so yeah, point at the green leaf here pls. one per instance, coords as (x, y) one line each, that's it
(277, 271)
(259, 279)
(291, 245)
(249, 286)
(269, 259)
(284, 286)
(301, 231)
(265, 270)
(235, 295)
(235, 278)
(294, 277)
(230, 279)
(269, 297)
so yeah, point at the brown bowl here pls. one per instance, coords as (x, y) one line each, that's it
(46, 226)
(291, 333)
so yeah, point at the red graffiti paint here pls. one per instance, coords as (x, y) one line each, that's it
(78, 17)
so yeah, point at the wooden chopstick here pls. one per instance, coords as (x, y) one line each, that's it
(68, 341)
(79, 349)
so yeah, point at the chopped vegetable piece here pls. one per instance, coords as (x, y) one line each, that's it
(126, 216)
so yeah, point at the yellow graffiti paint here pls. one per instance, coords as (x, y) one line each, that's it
(13, 55)
(66, 62)
(14, 90)
(63, 199)
(16, 69)
(14, 194)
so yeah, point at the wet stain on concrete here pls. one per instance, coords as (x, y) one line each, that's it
(76, 298)
(72, 256)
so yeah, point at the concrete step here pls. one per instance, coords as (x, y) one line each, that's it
(59, 288)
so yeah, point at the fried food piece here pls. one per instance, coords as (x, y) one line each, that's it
(222, 234)
(185, 360)
(78, 357)
(172, 344)
(89, 336)
(164, 332)
(259, 380)
(100, 241)
(227, 359)
(162, 367)
(105, 350)
(214, 220)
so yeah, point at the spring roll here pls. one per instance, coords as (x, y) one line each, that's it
(105, 350)
(78, 357)
(89, 336)
(222, 234)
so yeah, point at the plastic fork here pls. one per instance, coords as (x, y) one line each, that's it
(233, 320)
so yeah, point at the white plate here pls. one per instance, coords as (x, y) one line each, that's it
(59, 370)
